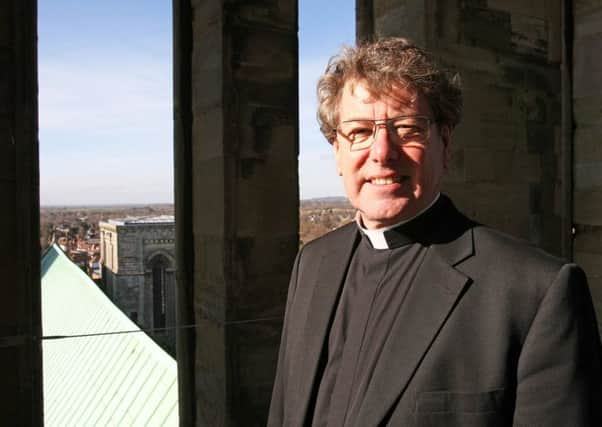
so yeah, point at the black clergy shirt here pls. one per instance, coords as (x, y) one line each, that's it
(373, 293)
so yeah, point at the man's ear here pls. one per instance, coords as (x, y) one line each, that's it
(445, 132)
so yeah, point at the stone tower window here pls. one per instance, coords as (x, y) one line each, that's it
(159, 266)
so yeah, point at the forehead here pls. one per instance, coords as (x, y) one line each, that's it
(357, 97)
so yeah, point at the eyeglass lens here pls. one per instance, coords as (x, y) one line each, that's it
(402, 130)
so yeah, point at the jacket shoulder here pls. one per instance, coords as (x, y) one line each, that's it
(493, 243)
(514, 264)
(330, 239)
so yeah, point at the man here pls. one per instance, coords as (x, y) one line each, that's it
(414, 315)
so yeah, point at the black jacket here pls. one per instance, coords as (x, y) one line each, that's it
(493, 332)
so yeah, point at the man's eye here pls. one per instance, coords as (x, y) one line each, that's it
(408, 130)
(360, 133)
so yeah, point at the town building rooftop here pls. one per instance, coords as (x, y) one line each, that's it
(160, 219)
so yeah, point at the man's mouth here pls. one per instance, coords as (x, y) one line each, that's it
(388, 180)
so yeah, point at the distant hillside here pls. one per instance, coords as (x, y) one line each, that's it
(84, 218)
(316, 216)
(319, 216)
(341, 202)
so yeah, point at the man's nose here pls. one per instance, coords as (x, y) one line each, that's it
(383, 147)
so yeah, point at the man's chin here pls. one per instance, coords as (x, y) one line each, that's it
(374, 220)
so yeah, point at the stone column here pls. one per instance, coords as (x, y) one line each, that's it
(241, 201)
(587, 105)
(20, 311)
(507, 153)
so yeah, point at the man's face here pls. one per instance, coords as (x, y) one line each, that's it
(388, 182)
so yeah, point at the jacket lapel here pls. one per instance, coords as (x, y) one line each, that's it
(330, 277)
(428, 304)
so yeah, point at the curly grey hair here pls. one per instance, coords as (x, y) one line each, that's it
(383, 65)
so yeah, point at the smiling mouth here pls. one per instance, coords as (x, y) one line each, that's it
(388, 180)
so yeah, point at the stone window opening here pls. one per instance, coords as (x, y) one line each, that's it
(159, 267)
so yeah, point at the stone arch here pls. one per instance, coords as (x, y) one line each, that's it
(158, 300)
(151, 257)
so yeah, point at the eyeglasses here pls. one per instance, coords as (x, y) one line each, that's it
(402, 130)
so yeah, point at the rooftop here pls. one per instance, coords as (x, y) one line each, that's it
(160, 219)
(99, 368)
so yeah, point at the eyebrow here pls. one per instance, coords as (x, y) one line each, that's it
(359, 119)
(388, 118)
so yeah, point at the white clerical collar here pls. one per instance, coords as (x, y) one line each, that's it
(377, 236)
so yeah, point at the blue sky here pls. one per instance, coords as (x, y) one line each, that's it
(105, 91)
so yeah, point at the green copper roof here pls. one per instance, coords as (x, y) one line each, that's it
(121, 379)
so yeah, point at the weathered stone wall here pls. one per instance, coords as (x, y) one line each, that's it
(108, 246)
(587, 114)
(507, 151)
(108, 257)
(108, 282)
(20, 312)
(126, 294)
(244, 196)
